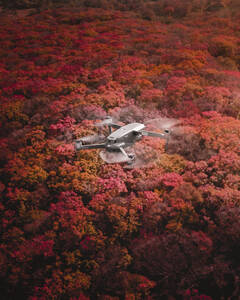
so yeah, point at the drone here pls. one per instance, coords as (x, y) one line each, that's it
(117, 142)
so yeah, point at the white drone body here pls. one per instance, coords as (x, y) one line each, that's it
(115, 143)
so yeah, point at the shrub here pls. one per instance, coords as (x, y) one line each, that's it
(222, 46)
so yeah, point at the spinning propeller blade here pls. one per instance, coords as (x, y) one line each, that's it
(145, 156)
(163, 123)
(92, 138)
(106, 121)
(113, 157)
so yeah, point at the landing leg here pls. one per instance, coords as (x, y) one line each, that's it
(131, 157)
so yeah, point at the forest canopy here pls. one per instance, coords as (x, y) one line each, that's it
(74, 227)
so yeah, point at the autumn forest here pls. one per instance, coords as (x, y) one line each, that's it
(74, 227)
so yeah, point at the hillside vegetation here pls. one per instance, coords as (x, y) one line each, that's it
(73, 227)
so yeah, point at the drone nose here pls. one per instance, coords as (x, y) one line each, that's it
(78, 145)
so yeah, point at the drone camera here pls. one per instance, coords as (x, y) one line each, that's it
(78, 145)
(138, 135)
(131, 156)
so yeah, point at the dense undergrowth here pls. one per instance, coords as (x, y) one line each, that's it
(73, 227)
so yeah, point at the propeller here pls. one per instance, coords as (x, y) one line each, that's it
(163, 123)
(108, 120)
(113, 157)
(90, 139)
(145, 155)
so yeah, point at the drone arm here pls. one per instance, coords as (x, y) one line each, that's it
(155, 134)
(116, 126)
(113, 125)
(130, 157)
(123, 151)
(80, 146)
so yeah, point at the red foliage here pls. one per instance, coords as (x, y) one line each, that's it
(70, 215)
(194, 295)
(37, 246)
(73, 227)
(172, 179)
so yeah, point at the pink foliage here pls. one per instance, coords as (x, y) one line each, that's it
(175, 85)
(193, 294)
(151, 96)
(67, 122)
(73, 227)
(100, 76)
(172, 179)
(111, 185)
(68, 199)
(37, 246)
(66, 150)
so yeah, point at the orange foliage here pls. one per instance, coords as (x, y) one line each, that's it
(73, 227)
